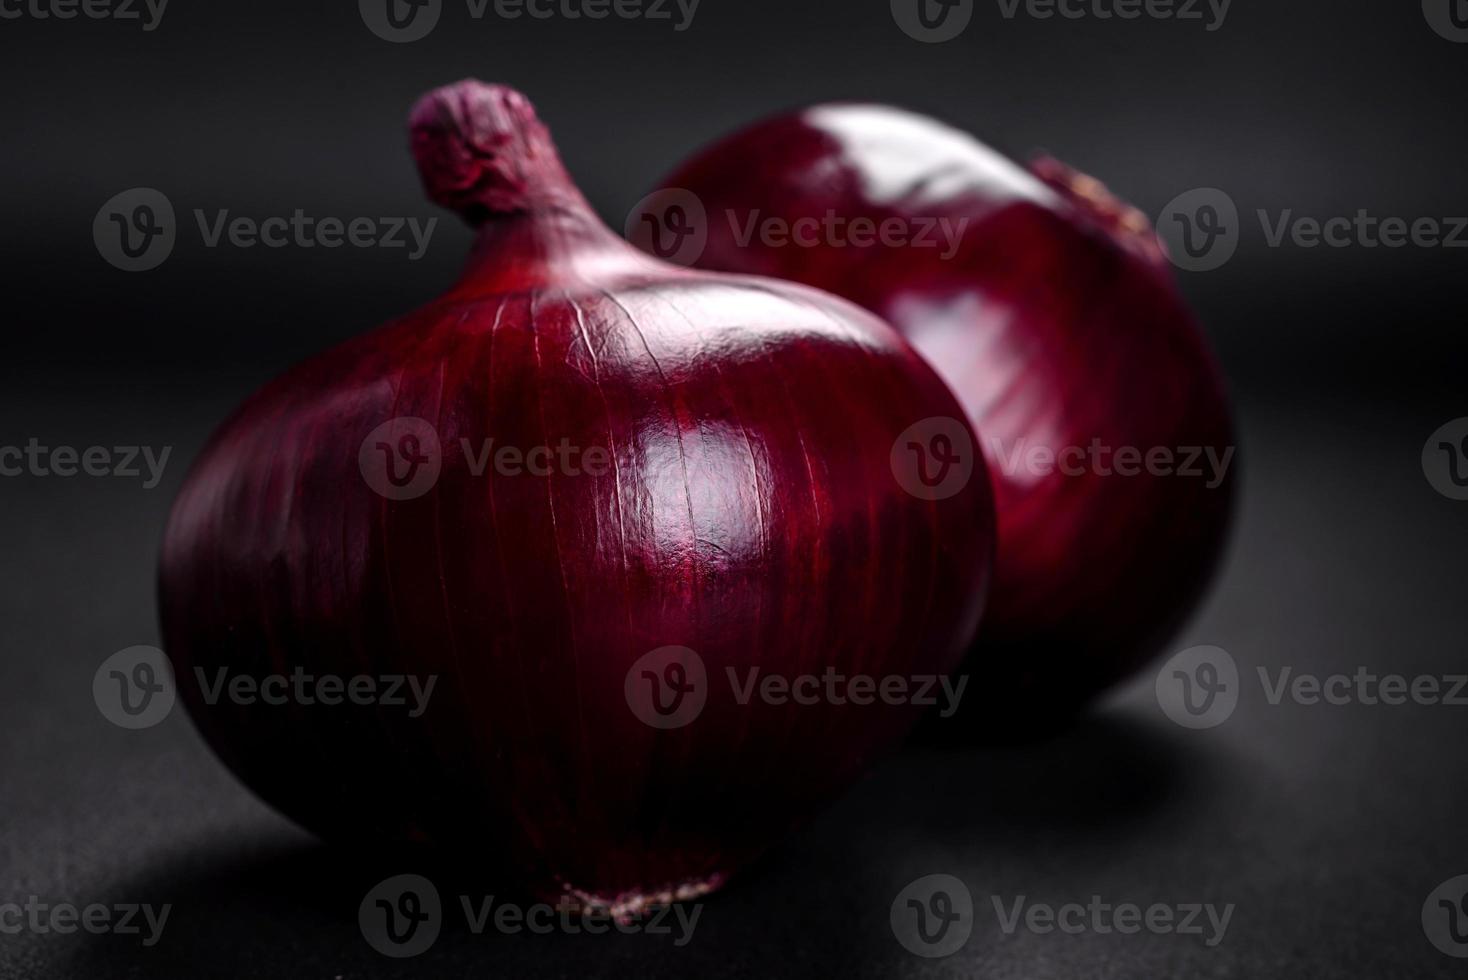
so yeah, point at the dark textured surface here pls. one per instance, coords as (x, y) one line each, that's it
(1326, 826)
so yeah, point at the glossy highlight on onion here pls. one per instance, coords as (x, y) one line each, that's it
(704, 479)
(1049, 308)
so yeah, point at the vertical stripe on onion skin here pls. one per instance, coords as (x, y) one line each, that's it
(747, 511)
(1048, 307)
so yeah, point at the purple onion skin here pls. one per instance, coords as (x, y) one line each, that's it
(1056, 321)
(750, 514)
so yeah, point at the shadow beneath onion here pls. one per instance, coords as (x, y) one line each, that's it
(818, 904)
(292, 911)
(1103, 772)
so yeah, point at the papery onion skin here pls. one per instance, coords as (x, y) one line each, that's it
(1049, 308)
(750, 514)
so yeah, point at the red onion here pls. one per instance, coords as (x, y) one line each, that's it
(1048, 307)
(701, 481)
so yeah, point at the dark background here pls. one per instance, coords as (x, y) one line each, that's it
(1327, 827)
